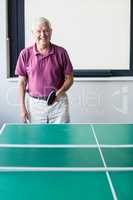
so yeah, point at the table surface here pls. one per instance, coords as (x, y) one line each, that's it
(66, 161)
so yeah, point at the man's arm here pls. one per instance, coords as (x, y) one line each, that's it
(67, 84)
(22, 89)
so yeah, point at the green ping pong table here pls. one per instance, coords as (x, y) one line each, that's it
(66, 162)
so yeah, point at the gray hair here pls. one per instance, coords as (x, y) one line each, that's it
(40, 20)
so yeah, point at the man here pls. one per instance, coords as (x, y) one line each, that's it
(42, 69)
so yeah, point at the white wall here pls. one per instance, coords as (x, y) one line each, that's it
(102, 101)
(106, 101)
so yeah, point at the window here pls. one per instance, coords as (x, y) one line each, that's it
(113, 71)
(17, 33)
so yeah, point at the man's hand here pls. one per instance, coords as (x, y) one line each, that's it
(67, 84)
(59, 93)
(24, 114)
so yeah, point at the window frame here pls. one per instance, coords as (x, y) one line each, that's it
(16, 35)
(16, 32)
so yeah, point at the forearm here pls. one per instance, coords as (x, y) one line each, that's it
(22, 89)
(22, 92)
(66, 85)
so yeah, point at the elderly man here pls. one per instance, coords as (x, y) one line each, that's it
(42, 69)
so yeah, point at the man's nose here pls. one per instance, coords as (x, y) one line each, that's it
(44, 33)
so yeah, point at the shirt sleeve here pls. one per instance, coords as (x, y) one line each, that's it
(21, 64)
(68, 68)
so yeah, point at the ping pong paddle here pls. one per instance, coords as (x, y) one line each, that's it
(51, 97)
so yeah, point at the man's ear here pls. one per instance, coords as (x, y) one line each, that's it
(51, 31)
(33, 34)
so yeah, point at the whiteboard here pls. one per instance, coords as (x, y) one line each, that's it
(96, 33)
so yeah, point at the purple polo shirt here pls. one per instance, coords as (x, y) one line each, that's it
(43, 72)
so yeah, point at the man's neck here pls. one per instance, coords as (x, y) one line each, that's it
(43, 48)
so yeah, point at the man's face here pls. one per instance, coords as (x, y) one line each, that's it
(42, 34)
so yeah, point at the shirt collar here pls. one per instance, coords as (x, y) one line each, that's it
(50, 51)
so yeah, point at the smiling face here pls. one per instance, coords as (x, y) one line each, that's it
(42, 34)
